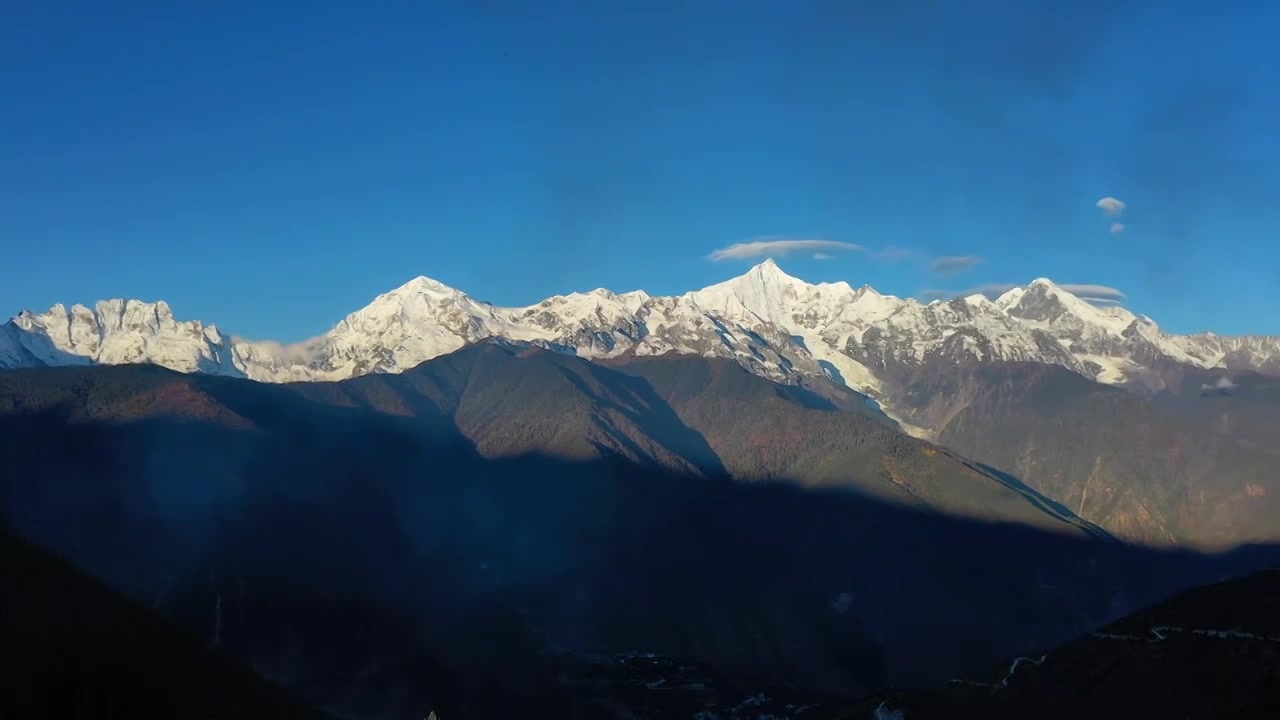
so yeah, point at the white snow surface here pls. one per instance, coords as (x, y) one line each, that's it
(775, 325)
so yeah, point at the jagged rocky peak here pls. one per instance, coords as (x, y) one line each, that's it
(105, 316)
(962, 308)
(1042, 301)
(1043, 287)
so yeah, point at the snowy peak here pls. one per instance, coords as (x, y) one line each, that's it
(1044, 287)
(767, 294)
(1009, 297)
(769, 271)
(118, 315)
(774, 324)
(422, 287)
(634, 299)
(761, 281)
(1043, 302)
(121, 331)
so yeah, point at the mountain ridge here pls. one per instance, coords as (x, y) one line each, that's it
(775, 325)
(695, 416)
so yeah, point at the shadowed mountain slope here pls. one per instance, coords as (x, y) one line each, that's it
(1243, 406)
(1155, 470)
(766, 430)
(354, 543)
(685, 414)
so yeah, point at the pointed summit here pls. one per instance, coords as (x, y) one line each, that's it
(770, 271)
(423, 285)
(764, 293)
(766, 278)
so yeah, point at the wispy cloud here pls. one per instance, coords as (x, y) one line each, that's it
(1111, 206)
(955, 264)
(821, 249)
(765, 247)
(1117, 228)
(1099, 294)
(304, 351)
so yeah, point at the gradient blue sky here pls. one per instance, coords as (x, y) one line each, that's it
(273, 166)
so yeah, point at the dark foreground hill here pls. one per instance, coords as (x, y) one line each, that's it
(74, 648)
(397, 544)
(1211, 652)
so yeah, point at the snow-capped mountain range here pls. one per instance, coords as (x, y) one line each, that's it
(774, 324)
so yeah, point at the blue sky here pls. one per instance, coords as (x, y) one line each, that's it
(271, 169)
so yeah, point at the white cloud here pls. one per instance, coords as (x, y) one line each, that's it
(954, 264)
(779, 248)
(1117, 228)
(304, 351)
(1094, 292)
(821, 249)
(1111, 206)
